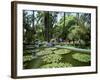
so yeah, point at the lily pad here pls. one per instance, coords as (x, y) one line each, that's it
(50, 49)
(57, 65)
(82, 57)
(51, 58)
(43, 52)
(62, 51)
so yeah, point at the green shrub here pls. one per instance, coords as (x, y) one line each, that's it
(27, 58)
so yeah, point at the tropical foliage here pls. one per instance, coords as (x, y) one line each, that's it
(43, 31)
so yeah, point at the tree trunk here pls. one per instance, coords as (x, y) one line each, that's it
(64, 33)
(46, 23)
(33, 27)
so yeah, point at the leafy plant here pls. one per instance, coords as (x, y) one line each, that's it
(27, 58)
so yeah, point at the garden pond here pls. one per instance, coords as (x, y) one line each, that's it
(55, 57)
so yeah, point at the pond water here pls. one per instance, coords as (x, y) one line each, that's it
(55, 58)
